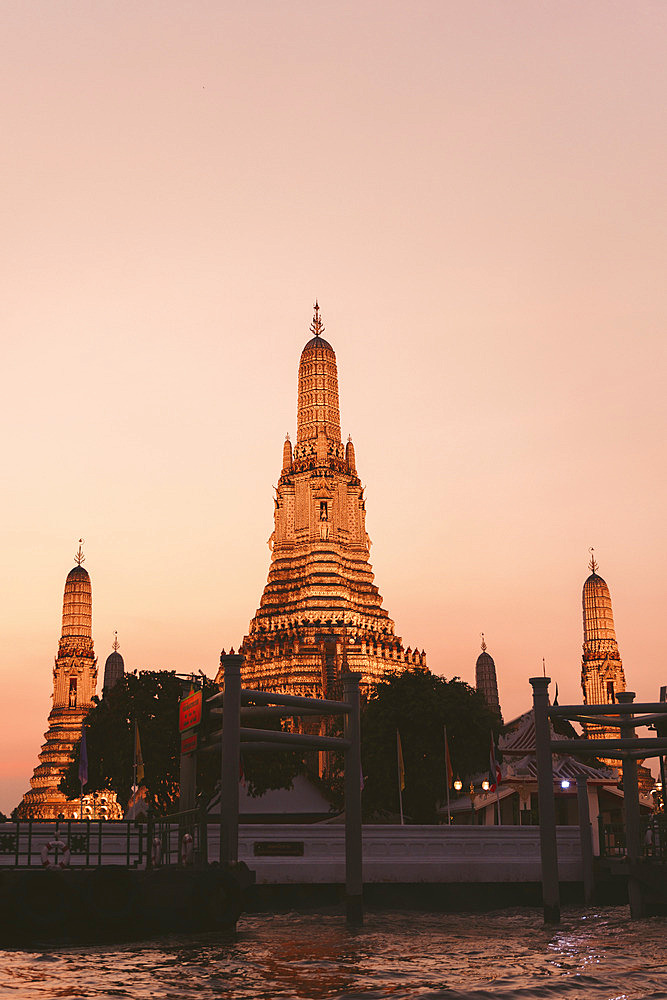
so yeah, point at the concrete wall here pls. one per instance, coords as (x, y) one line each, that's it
(404, 854)
(305, 854)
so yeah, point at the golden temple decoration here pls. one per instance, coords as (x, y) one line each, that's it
(74, 683)
(321, 612)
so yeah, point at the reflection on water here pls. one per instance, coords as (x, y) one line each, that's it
(401, 956)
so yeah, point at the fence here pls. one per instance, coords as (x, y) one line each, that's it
(169, 832)
(91, 842)
(613, 842)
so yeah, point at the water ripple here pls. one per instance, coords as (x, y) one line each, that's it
(509, 955)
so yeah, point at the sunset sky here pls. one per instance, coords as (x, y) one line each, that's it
(475, 191)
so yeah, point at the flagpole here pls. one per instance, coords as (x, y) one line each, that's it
(83, 765)
(134, 765)
(495, 779)
(449, 811)
(398, 766)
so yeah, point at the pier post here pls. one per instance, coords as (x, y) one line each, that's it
(631, 803)
(353, 834)
(231, 757)
(545, 791)
(187, 782)
(586, 837)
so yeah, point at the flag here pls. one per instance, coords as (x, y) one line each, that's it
(401, 765)
(449, 771)
(83, 759)
(494, 768)
(138, 759)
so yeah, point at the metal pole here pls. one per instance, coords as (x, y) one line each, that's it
(631, 802)
(353, 844)
(545, 790)
(585, 836)
(448, 764)
(229, 777)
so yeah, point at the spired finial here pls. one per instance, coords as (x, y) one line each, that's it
(317, 326)
(79, 557)
(593, 565)
(115, 644)
(483, 642)
(544, 668)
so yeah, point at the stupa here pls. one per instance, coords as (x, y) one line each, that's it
(74, 683)
(486, 680)
(321, 613)
(114, 668)
(602, 676)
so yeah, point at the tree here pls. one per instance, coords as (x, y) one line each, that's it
(151, 698)
(419, 705)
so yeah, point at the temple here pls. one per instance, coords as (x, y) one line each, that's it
(74, 683)
(321, 613)
(602, 674)
(486, 680)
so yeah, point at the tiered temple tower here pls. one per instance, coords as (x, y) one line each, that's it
(321, 613)
(74, 682)
(602, 675)
(486, 680)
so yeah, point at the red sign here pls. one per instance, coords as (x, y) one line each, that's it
(189, 713)
(188, 743)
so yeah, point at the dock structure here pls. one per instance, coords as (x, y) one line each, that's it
(263, 704)
(626, 715)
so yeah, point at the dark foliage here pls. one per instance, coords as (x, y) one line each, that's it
(419, 704)
(152, 697)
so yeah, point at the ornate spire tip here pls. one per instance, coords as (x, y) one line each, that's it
(79, 557)
(593, 565)
(115, 644)
(483, 642)
(317, 326)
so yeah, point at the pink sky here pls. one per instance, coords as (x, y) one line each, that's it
(474, 191)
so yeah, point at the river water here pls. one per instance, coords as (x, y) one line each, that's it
(595, 953)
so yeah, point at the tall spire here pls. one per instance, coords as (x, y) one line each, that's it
(486, 680)
(602, 676)
(114, 668)
(74, 683)
(78, 603)
(318, 414)
(321, 612)
(593, 565)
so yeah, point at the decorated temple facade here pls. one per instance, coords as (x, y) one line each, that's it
(321, 613)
